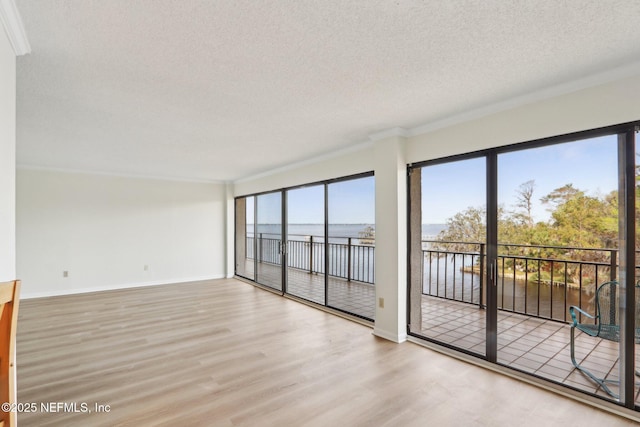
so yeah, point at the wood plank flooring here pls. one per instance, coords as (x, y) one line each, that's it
(224, 353)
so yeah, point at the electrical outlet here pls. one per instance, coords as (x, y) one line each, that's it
(65, 273)
(381, 302)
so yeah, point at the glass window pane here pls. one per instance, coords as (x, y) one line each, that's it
(269, 240)
(448, 247)
(305, 243)
(352, 246)
(558, 248)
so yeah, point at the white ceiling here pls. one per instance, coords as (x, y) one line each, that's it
(224, 89)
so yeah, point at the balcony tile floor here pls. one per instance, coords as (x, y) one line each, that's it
(536, 346)
(350, 296)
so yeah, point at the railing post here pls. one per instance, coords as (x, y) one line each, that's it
(310, 254)
(349, 259)
(260, 249)
(614, 264)
(480, 305)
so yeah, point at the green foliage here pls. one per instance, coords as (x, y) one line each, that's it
(560, 195)
(466, 226)
(584, 221)
(578, 222)
(367, 236)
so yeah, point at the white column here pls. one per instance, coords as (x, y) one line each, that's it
(7, 159)
(391, 234)
(230, 242)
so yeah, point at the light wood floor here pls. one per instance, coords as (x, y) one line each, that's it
(224, 353)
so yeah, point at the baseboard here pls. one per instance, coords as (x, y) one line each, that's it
(391, 336)
(60, 292)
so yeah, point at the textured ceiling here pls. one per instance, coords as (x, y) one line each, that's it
(220, 90)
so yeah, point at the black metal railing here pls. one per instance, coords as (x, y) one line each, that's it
(443, 272)
(350, 258)
(538, 281)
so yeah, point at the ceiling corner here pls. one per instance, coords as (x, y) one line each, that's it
(12, 22)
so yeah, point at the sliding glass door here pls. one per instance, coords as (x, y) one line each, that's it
(449, 243)
(526, 256)
(558, 245)
(351, 246)
(337, 271)
(269, 242)
(305, 243)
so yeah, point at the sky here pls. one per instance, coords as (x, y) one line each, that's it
(350, 202)
(590, 165)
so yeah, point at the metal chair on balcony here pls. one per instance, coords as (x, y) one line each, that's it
(606, 325)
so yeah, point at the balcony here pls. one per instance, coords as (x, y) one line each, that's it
(536, 287)
(530, 344)
(351, 269)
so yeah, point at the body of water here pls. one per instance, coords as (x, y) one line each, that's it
(447, 277)
(338, 233)
(429, 231)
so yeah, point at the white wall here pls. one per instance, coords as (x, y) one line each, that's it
(340, 164)
(608, 104)
(7, 159)
(103, 230)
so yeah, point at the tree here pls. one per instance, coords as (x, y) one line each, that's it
(559, 195)
(524, 201)
(367, 236)
(578, 222)
(581, 221)
(466, 226)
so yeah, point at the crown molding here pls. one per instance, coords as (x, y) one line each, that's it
(23, 166)
(389, 133)
(306, 162)
(10, 17)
